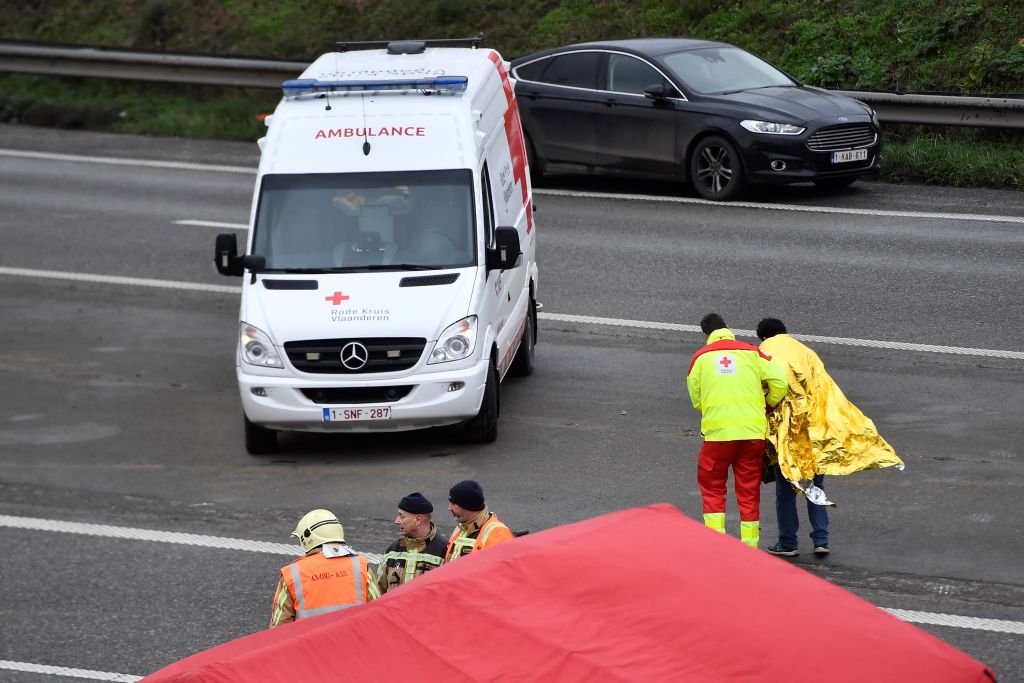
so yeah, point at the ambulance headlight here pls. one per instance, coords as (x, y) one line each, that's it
(456, 342)
(257, 349)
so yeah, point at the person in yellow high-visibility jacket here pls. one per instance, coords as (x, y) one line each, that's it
(731, 383)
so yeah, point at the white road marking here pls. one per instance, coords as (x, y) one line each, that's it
(245, 170)
(845, 341)
(561, 317)
(119, 280)
(107, 531)
(989, 218)
(28, 667)
(120, 161)
(957, 621)
(129, 533)
(213, 224)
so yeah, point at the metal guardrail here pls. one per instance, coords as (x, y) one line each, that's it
(63, 60)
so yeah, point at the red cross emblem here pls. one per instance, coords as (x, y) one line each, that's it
(725, 362)
(336, 298)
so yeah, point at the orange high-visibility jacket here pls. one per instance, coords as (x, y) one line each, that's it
(319, 584)
(493, 532)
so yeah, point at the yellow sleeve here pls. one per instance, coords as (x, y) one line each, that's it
(774, 375)
(283, 610)
(693, 384)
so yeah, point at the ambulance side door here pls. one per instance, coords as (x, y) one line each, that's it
(501, 294)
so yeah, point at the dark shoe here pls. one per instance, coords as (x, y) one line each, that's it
(821, 549)
(779, 549)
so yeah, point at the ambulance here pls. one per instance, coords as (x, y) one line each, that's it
(389, 277)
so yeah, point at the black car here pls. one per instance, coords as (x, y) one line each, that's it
(695, 110)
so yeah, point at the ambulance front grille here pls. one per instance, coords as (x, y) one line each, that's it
(357, 395)
(382, 354)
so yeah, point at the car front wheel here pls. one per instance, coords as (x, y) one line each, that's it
(716, 170)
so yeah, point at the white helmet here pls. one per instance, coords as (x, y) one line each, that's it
(318, 527)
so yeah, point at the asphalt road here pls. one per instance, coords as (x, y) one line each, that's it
(120, 406)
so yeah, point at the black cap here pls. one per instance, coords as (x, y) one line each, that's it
(416, 503)
(467, 494)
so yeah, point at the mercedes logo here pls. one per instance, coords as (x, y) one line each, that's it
(354, 356)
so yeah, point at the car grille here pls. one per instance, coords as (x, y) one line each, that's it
(353, 395)
(841, 137)
(385, 354)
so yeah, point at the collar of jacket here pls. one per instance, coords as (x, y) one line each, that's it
(474, 525)
(418, 543)
(720, 334)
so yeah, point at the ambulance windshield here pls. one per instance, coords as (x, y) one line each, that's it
(326, 222)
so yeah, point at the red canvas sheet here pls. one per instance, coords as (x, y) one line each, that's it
(641, 595)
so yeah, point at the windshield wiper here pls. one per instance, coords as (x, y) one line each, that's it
(758, 87)
(400, 266)
(355, 269)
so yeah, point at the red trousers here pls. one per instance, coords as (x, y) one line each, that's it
(747, 460)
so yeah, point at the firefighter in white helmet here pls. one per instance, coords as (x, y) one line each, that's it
(329, 577)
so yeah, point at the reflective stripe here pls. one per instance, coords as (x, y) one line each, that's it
(411, 560)
(357, 575)
(300, 602)
(489, 529)
(458, 544)
(750, 533)
(715, 520)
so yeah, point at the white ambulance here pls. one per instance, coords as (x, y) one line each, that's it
(390, 272)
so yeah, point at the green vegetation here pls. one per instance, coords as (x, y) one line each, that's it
(950, 46)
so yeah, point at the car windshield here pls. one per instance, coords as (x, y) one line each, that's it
(326, 222)
(721, 70)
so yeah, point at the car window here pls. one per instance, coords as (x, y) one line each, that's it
(576, 69)
(716, 70)
(631, 75)
(532, 71)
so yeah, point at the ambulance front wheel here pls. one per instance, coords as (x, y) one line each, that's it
(523, 364)
(484, 427)
(259, 440)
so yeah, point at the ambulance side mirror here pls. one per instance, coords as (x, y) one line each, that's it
(225, 255)
(506, 253)
(254, 264)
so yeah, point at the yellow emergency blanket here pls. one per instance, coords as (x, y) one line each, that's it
(815, 429)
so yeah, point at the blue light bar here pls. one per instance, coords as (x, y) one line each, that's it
(306, 86)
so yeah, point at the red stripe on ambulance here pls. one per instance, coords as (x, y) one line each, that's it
(514, 133)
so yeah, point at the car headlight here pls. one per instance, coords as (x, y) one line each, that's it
(257, 349)
(874, 118)
(772, 128)
(456, 342)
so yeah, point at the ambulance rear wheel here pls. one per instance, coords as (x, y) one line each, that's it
(259, 440)
(523, 364)
(484, 427)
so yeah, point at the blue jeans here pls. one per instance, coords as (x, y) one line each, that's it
(785, 510)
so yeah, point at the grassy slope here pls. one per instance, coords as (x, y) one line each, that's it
(961, 46)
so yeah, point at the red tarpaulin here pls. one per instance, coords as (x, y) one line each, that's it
(640, 595)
